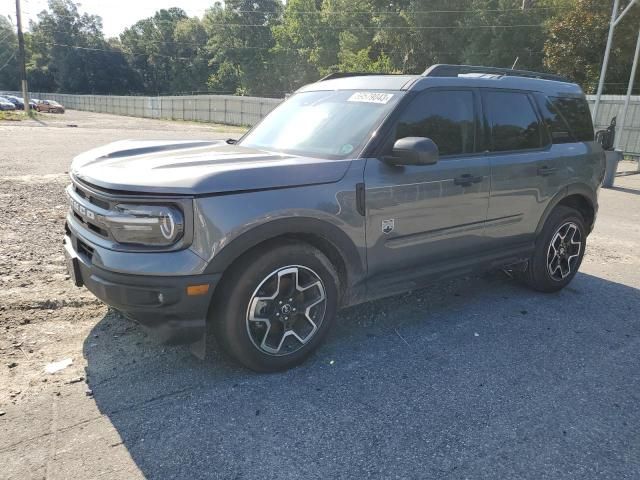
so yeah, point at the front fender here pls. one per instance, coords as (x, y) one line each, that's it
(291, 227)
(227, 226)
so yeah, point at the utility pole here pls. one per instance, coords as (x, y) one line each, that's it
(605, 61)
(23, 67)
(615, 20)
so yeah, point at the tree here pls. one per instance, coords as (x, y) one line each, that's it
(240, 43)
(68, 53)
(577, 40)
(191, 70)
(153, 51)
(306, 46)
(9, 74)
(517, 36)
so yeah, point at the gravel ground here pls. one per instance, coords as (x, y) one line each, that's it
(474, 378)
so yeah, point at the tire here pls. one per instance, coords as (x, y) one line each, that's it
(552, 267)
(259, 304)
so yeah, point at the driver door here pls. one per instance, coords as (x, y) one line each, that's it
(422, 219)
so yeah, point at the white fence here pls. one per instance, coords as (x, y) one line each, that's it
(611, 106)
(235, 110)
(226, 109)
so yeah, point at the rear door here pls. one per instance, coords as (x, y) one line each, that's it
(525, 173)
(420, 216)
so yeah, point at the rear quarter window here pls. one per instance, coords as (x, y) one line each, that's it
(569, 119)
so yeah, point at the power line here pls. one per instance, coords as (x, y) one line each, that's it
(383, 27)
(5, 37)
(349, 12)
(406, 11)
(433, 27)
(13, 55)
(356, 12)
(172, 57)
(366, 27)
(152, 54)
(115, 52)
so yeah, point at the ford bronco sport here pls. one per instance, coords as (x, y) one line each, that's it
(356, 187)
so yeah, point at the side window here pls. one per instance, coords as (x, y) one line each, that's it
(577, 114)
(513, 121)
(555, 122)
(446, 117)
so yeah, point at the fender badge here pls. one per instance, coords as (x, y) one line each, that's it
(388, 226)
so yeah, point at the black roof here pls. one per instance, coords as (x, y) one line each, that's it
(450, 75)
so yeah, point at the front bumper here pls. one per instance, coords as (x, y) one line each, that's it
(161, 304)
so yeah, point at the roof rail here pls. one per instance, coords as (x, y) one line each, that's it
(333, 75)
(443, 70)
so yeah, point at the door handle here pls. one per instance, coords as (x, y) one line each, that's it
(467, 179)
(546, 171)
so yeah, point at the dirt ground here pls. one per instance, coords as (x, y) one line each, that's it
(35, 292)
(92, 418)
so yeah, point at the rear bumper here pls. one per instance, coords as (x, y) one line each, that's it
(159, 303)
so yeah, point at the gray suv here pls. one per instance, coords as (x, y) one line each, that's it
(356, 187)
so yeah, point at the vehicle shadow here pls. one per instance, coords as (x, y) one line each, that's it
(477, 377)
(626, 190)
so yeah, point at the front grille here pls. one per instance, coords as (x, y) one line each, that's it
(91, 226)
(90, 218)
(85, 249)
(90, 197)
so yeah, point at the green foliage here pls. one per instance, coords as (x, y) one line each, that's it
(503, 47)
(577, 39)
(9, 76)
(156, 55)
(272, 47)
(239, 47)
(68, 53)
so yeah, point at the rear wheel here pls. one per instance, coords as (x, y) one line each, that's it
(559, 251)
(275, 306)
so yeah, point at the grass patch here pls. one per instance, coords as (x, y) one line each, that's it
(12, 116)
(17, 115)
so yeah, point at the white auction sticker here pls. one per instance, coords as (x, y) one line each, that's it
(371, 97)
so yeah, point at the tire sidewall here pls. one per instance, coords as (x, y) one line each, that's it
(541, 277)
(240, 286)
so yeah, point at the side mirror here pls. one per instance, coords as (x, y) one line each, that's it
(413, 151)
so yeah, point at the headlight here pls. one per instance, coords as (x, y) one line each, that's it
(153, 225)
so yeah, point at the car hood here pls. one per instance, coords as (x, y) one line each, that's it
(198, 167)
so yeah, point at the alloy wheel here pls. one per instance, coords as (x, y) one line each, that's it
(286, 310)
(564, 251)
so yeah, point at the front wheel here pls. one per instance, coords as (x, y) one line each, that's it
(559, 251)
(275, 306)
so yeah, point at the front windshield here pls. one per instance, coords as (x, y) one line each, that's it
(328, 124)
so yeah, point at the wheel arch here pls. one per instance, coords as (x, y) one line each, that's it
(578, 196)
(332, 241)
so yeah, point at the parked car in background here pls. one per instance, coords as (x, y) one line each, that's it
(5, 104)
(17, 102)
(50, 106)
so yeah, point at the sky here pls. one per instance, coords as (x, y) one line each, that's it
(116, 14)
